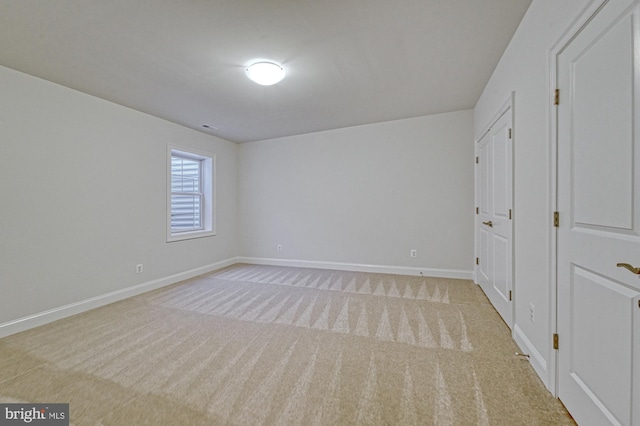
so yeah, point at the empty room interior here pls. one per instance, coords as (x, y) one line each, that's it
(428, 213)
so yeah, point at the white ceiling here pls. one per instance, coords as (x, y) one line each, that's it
(348, 62)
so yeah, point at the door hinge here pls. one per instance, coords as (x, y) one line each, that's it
(510, 296)
(509, 133)
(477, 160)
(477, 210)
(556, 219)
(555, 341)
(509, 214)
(556, 97)
(477, 260)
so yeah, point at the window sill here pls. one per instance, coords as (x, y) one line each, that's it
(189, 235)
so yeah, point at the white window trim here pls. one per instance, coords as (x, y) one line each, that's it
(208, 190)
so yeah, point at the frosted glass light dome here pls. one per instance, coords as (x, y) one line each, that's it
(265, 73)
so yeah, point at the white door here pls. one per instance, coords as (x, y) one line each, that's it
(599, 206)
(493, 223)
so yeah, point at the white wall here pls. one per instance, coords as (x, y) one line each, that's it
(363, 195)
(82, 196)
(525, 69)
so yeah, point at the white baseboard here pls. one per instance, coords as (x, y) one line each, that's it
(357, 267)
(41, 318)
(537, 361)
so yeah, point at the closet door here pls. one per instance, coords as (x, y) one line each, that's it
(494, 171)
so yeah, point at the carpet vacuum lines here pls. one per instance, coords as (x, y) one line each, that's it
(267, 345)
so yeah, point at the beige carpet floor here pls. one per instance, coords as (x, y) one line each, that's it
(252, 345)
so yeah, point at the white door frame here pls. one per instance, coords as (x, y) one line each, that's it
(508, 105)
(581, 20)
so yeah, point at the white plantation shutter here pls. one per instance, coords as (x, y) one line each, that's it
(187, 198)
(190, 193)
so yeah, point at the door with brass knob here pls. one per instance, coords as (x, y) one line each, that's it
(598, 238)
(494, 269)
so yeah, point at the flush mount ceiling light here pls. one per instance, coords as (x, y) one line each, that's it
(265, 73)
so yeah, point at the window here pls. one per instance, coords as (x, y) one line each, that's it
(189, 194)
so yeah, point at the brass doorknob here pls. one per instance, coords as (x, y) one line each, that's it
(489, 224)
(629, 267)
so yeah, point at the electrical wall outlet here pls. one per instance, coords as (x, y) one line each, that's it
(532, 312)
(279, 247)
(413, 253)
(139, 268)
